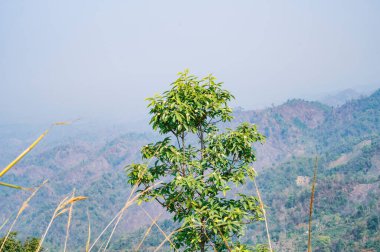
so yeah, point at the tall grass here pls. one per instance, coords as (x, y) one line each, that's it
(119, 215)
(24, 205)
(69, 222)
(154, 222)
(127, 204)
(159, 228)
(63, 207)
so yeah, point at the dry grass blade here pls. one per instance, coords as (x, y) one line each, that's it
(165, 240)
(65, 122)
(62, 212)
(60, 209)
(61, 123)
(75, 199)
(4, 223)
(120, 213)
(172, 233)
(159, 228)
(15, 186)
(191, 226)
(264, 212)
(154, 222)
(89, 233)
(105, 229)
(311, 203)
(126, 206)
(26, 151)
(113, 229)
(22, 208)
(102, 245)
(69, 222)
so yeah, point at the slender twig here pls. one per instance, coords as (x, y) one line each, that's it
(224, 239)
(264, 212)
(89, 232)
(311, 203)
(212, 245)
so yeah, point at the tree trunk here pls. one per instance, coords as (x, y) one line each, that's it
(202, 246)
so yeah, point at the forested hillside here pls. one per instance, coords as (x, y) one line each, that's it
(345, 139)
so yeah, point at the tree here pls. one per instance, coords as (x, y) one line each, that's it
(31, 244)
(12, 244)
(197, 164)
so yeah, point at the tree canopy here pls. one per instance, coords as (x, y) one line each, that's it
(197, 165)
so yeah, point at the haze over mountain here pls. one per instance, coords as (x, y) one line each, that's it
(345, 138)
(101, 59)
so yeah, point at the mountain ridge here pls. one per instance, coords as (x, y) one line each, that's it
(296, 131)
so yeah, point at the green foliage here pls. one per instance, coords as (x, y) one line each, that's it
(31, 244)
(346, 216)
(373, 223)
(197, 174)
(12, 244)
(261, 248)
(323, 243)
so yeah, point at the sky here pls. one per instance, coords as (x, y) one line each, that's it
(100, 59)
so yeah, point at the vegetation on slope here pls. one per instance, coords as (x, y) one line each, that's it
(346, 204)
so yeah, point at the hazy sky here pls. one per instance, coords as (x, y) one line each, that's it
(100, 59)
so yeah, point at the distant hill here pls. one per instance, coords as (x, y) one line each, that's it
(347, 142)
(341, 97)
(345, 138)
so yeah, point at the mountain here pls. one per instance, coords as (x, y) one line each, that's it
(287, 129)
(345, 139)
(347, 201)
(341, 97)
